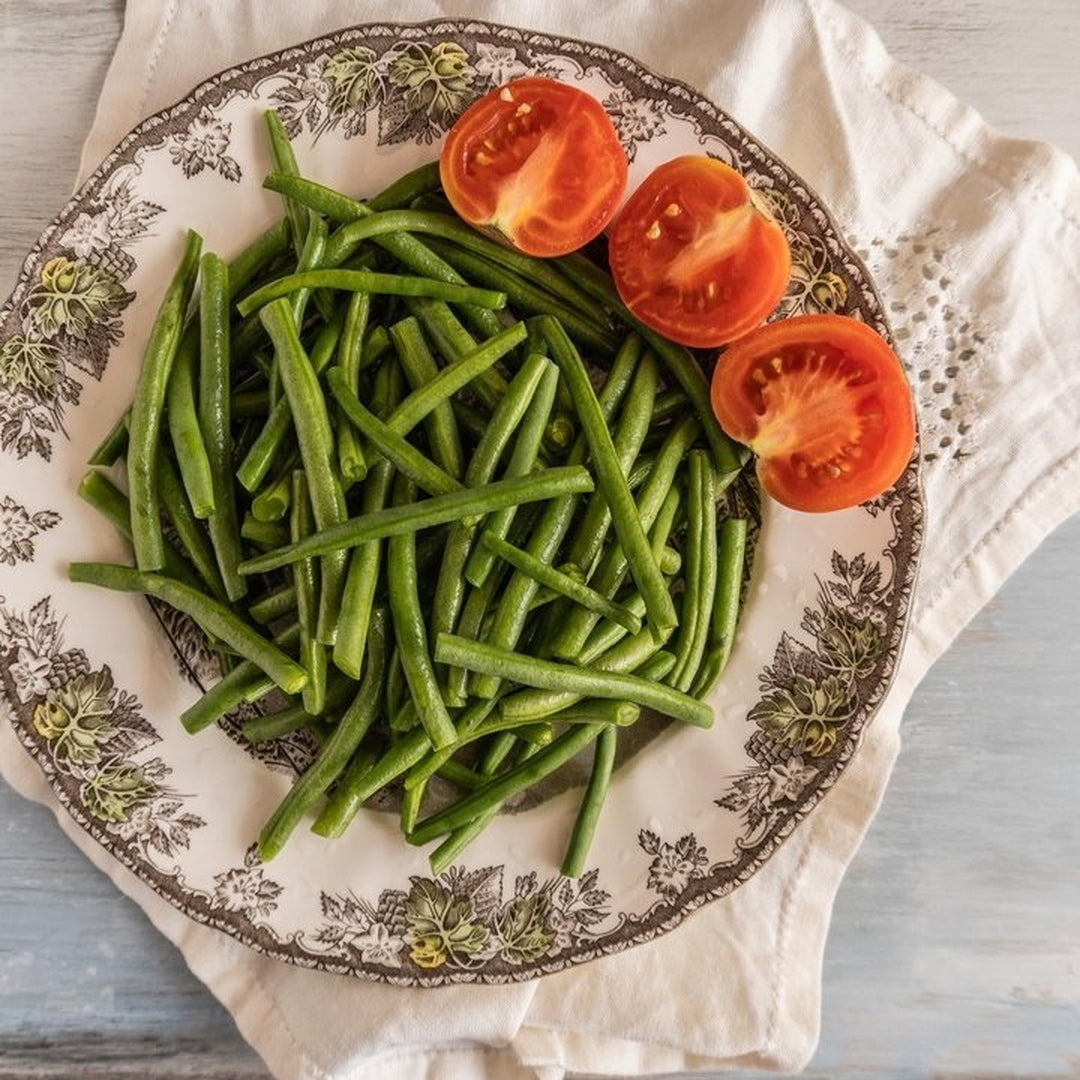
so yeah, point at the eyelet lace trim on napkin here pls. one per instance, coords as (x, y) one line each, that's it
(939, 338)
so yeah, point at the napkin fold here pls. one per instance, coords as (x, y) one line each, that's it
(972, 239)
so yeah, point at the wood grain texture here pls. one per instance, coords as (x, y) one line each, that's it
(955, 948)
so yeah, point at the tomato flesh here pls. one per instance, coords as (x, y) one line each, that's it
(695, 256)
(538, 162)
(823, 402)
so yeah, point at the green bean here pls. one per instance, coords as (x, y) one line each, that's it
(409, 630)
(260, 457)
(606, 634)
(473, 614)
(265, 534)
(431, 395)
(560, 582)
(276, 725)
(522, 461)
(639, 471)
(273, 605)
(568, 678)
(273, 501)
(194, 542)
(109, 501)
(700, 571)
(362, 579)
(525, 267)
(592, 802)
(629, 434)
(549, 532)
(657, 667)
(354, 790)
(629, 528)
(407, 249)
(113, 446)
(316, 441)
(450, 587)
(679, 362)
(526, 297)
(464, 732)
(182, 418)
(501, 745)
(663, 520)
(371, 282)
(459, 775)
(561, 430)
(613, 567)
(405, 718)
(215, 421)
(376, 344)
(731, 558)
(317, 197)
(540, 703)
(212, 616)
(281, 153)
(669, 561)
(246, 683)
(669, 405)
(420, 368)
(336, 752)
(311, 258)
(392, 446)
(434, 202)
(312, 651)
(522, 776)
(263, 250)
(146, 410)
(609, 712)
(222, 698)
(351, 459)
(411, 185)
(452, 342)
(411, 803)
(397, 220)
(396, 688)
(365, 561)
(460, 838)
(472, 421)
(294, 717)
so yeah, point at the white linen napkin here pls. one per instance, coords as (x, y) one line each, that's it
(973, 241)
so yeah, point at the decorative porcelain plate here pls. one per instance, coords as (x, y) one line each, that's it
(93, 682)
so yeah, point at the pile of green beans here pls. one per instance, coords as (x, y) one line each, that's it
(439, 503)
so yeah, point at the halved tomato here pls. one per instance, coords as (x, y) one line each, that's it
(823, 402)
(539, 162)
(696, 256)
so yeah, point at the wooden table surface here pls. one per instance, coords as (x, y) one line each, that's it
(955, 945)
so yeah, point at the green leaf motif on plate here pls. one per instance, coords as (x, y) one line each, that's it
(88, 731)
(441, 925)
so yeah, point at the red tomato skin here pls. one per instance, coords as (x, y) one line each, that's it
(536, 162)
(695, 256)
(824, 403)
